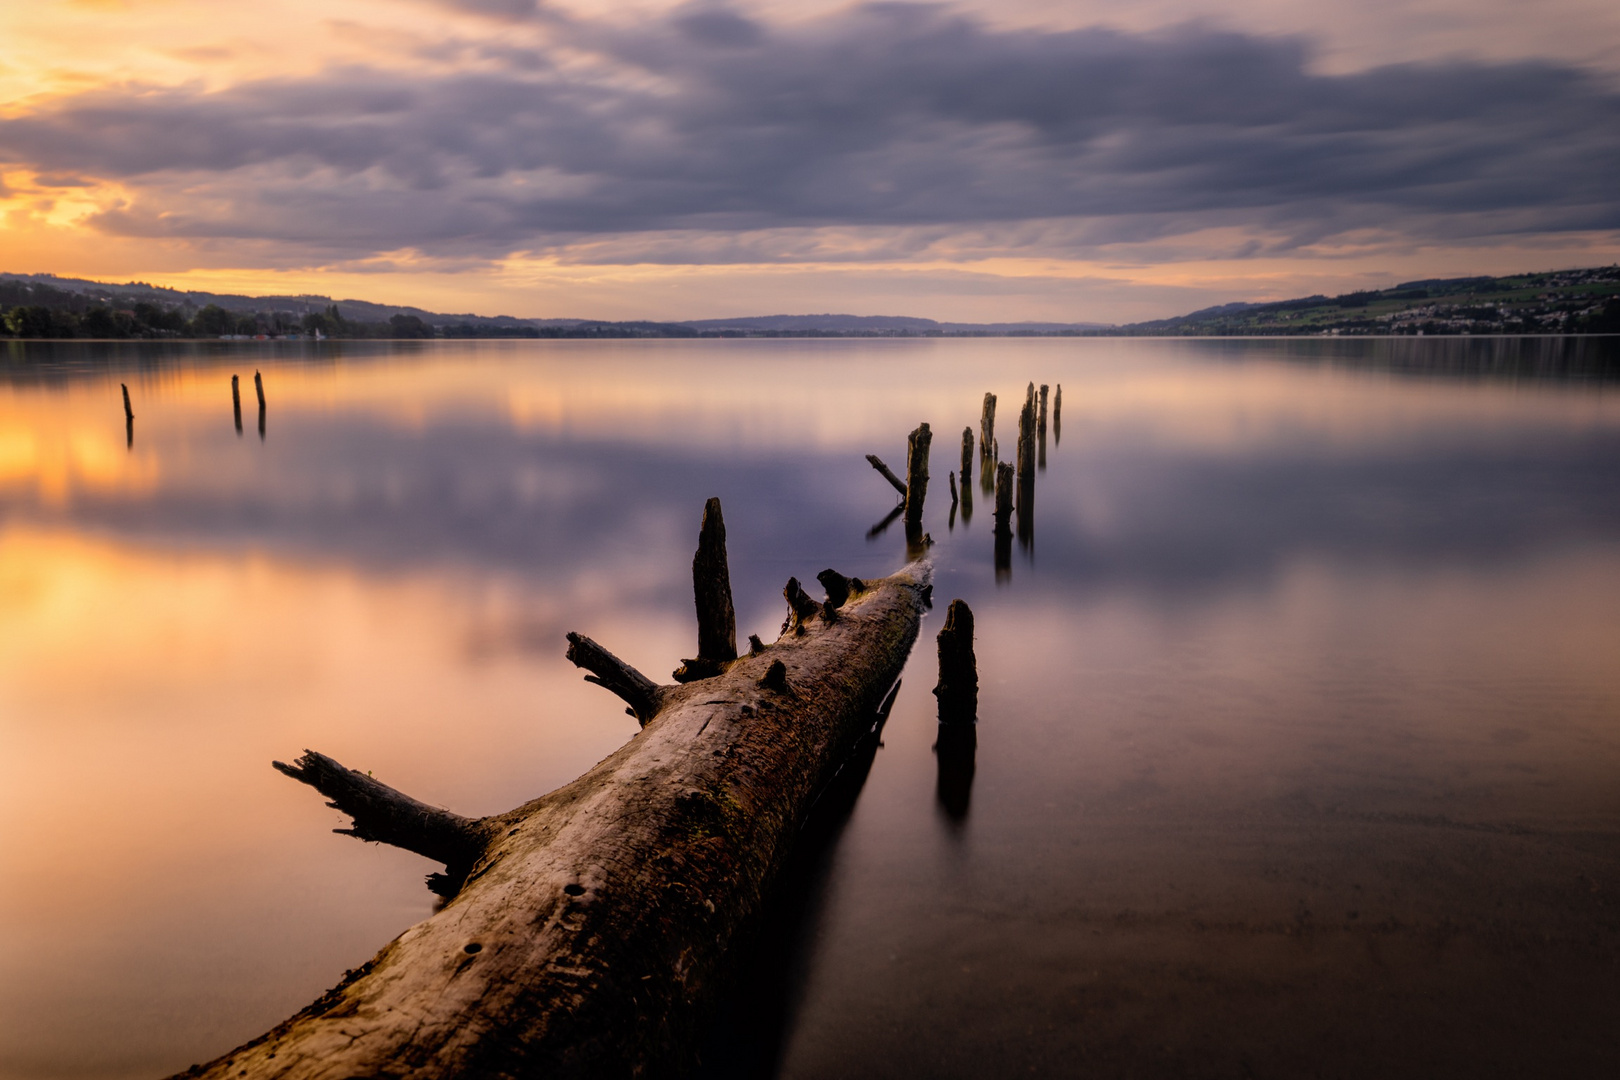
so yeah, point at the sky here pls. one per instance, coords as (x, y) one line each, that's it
(979, 161)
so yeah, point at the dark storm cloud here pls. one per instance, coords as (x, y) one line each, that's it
(884, 115)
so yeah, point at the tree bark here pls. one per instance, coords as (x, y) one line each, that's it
(589, 938)
(711, 587)
(917, 472)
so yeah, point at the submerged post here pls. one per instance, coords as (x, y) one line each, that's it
(711, 591)
(917, 472)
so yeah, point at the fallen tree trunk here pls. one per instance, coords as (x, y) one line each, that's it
(587, 930)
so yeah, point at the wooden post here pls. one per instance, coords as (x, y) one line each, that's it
(987, 421)
(967, 457)
(958, 687)
(129, 413)
(258, 385)
(952, 478)
(1040, 431)
(1057, 415)
(1026, 468)
(1005, 481)
(917, 472)
(236, 404)
(956, 744)
(711, 591)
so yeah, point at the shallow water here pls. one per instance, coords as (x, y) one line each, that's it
(1299, 740)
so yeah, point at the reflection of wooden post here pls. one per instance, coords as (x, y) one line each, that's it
(129, 413)
(917, 472)
(236, 404)
(711, 590)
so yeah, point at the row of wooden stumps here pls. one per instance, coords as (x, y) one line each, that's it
(1013, 483)
(236, 409)
(236, 402)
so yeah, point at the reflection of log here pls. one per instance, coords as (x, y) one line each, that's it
(917, 472)
(590, 935)
(711, 586)
(898, 484)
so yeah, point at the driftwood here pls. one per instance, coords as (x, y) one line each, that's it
(586, 931)
(887, 474)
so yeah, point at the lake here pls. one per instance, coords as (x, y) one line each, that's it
(1299, 721)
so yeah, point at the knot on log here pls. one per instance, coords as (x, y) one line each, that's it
(837, 585)
(755, 646)
(775, 678)
(801, 609)
(607, 670)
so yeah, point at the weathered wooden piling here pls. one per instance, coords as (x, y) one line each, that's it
(956, 744)
(258, 386)
(1040, 431)
(967, 456)
(236, 404)
(958, 686)
(129, 413)
(1006, 480)
(711, 590)
(917, 472)
(1026, 468)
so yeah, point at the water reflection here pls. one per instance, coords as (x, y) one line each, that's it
(1312, 688)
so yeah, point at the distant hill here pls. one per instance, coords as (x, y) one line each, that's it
(1565, 301)
(1559, 302)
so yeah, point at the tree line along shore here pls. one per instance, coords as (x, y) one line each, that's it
(1585, 301)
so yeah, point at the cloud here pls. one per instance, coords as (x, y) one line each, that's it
(707, 121)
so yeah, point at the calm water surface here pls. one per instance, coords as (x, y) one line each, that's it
(1299, 741)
